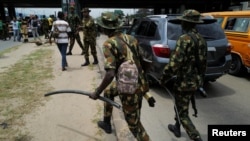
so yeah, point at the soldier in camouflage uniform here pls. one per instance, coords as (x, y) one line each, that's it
(74, 22)
(45, 27)
(189, 75)
(25, 29)
(131, 103)
(6, 31)
(89, 36)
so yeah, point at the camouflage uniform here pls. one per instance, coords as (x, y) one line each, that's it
(45, 27)
(74, 21)
(115, 52)
(89, 37)
(189, 76)
(6, 31)
(24, 27)
(131, 103)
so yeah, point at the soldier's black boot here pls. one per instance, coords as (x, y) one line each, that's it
(70, 51)
(86, 62)
(83, 50)
(105, 125)
(25, 40)
(95, 60)
(176, 129)
(198, 139)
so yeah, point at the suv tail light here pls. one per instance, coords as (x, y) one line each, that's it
(161, 50)
(229, 48)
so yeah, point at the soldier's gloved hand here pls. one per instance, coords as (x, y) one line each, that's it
(151, 101)
(95, 94)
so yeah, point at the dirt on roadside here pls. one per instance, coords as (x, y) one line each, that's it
(63, 117)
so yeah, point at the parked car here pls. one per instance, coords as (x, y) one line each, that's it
(157, 36)
(236, 27)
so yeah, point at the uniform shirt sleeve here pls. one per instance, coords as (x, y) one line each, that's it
(176, 59)
(110, 60)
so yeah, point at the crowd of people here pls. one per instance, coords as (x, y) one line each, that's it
(21, 28)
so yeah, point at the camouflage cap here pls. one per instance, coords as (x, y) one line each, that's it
(72, 7)
(191, 15)
(85, 10)
(109, 20)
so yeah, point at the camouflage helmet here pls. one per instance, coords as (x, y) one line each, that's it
(109, 20)
(191, 15)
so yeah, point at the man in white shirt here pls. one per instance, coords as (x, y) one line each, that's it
(16, 28)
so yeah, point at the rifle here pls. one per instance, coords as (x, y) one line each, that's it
(171, 95)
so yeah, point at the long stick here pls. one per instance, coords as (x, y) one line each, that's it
(83, 93)
(171, 95)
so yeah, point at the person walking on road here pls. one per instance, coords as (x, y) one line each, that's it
(34, 27)
(25, 29)
(6, 33)
(45, 26)
(16, 29)
(51, 20)
(62, 39)
(74, 22)
(188, 63)
(132, 103)
(89, 36)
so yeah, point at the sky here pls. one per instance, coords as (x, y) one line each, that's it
(95, 12)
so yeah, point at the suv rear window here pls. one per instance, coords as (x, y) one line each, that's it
(210, 30)
(146, 28)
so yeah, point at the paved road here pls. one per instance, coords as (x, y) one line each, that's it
(7, 44)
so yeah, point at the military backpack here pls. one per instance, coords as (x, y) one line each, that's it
(127, 74)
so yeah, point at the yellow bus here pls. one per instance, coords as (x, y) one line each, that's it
(236, 27)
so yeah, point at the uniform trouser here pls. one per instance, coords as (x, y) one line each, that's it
(46, 32)
(182, 100)
(92, 45)
(25, 32)
(131, 109)
(1, 33)
(6, 34)
(62, 47)
(74, 37)
(35, 33)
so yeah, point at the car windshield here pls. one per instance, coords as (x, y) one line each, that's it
(209, 30)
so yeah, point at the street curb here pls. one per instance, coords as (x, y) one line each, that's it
(121, 129)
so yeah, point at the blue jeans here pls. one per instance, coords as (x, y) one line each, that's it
(16, 34)
(63, 49)
(35, 33)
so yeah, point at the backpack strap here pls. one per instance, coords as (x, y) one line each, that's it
(196, 51)
(131, 48)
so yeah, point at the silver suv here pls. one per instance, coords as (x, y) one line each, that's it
(157, 36)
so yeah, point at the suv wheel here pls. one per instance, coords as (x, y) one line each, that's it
(236, 65)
